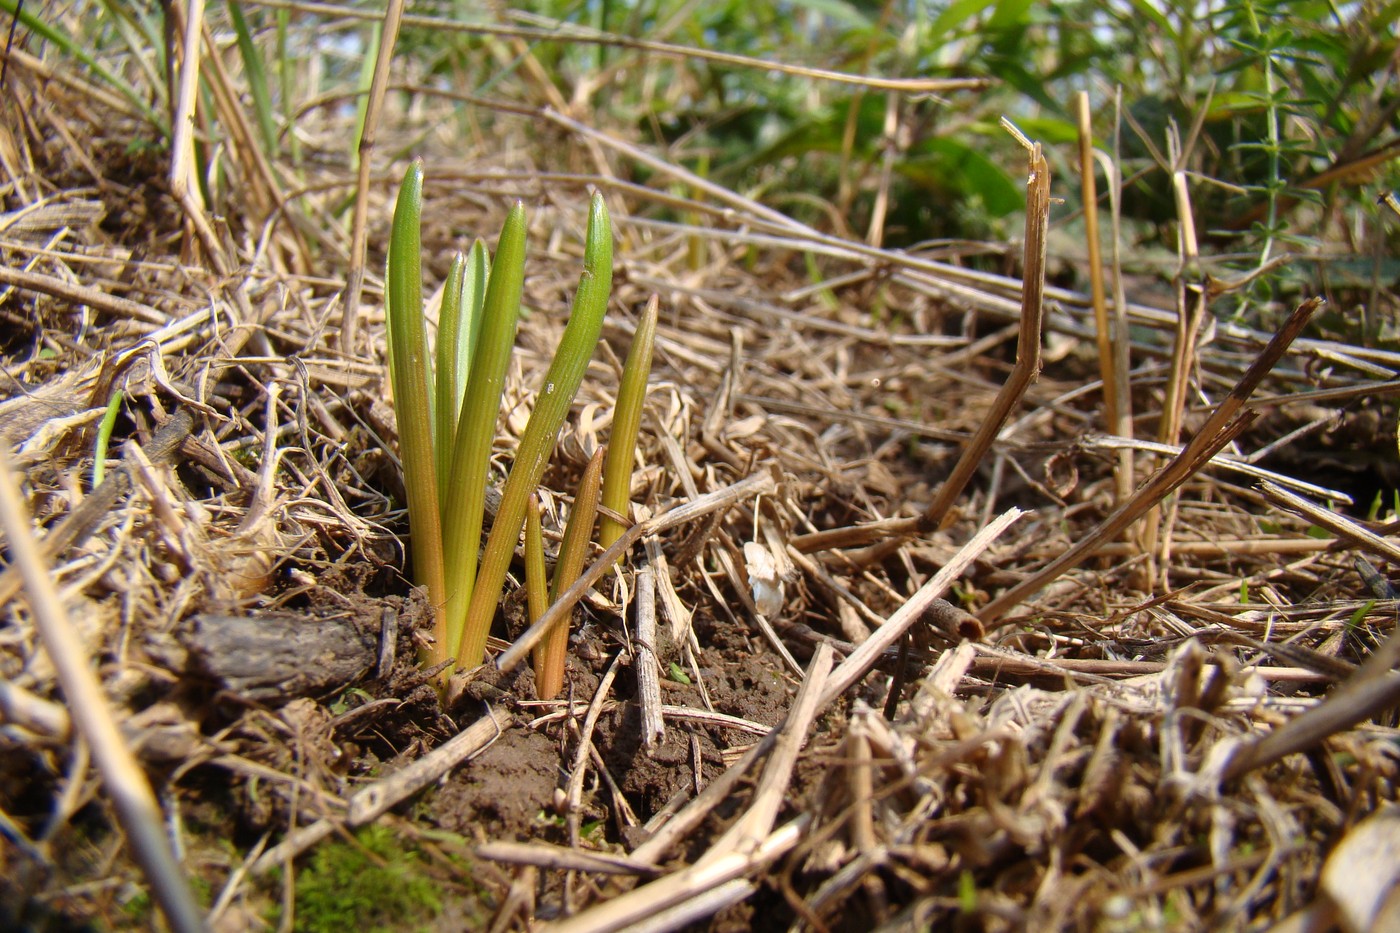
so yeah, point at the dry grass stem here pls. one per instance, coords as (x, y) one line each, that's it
(757, 484)
(1089, 197)
(370, 802)
(355, 274)
(646, 663)
(1339, 525)
(1218, 431)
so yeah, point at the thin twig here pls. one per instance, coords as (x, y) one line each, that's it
(79, 523)
(1339, 525)
(1370, 691)
(645, 663)
(563, 31)
(1088, 185)
(370, 802)
(574, 793)
(869, 652)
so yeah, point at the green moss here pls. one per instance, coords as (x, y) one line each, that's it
(373, 884)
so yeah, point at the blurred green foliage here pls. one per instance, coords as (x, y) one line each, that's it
(1285, 110)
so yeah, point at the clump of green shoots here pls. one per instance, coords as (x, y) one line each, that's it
(447, 419)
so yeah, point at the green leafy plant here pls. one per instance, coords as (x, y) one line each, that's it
(447, 419)
(561, 384)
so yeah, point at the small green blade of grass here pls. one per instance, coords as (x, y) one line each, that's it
(476, 429)
(627, 420)
(104, 437)
(412, 381)
(145, 43)
(548, 657)
(284, 79)
(536, 446)
(257, 78)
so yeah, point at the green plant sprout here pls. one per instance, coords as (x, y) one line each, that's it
(465, 501)
(447, 419)
(104, 437)
(548, 657)
(459, 326)
(627, 420)
(411, 378)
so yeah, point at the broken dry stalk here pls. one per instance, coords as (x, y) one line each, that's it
(125, 782)
(1104, 334)
(1222, 427)
(1027, 367)
(379, 86)
(1026, 370)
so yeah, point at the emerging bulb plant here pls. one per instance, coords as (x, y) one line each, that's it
(447, 417)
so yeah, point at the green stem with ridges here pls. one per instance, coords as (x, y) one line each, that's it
(447, 388)
(104, 437)
(412, 381)
(536, 580)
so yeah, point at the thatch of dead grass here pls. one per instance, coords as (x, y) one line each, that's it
(1185, 731)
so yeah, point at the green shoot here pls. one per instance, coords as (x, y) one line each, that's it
(627, 420)
(476, 430)
(1359, 616)
(104, 437)
(549, 656)
(284, 78)
(447, 420)
(412, 381)
(536, 585)
(561, 384)
(446, 391)
(459, 325)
